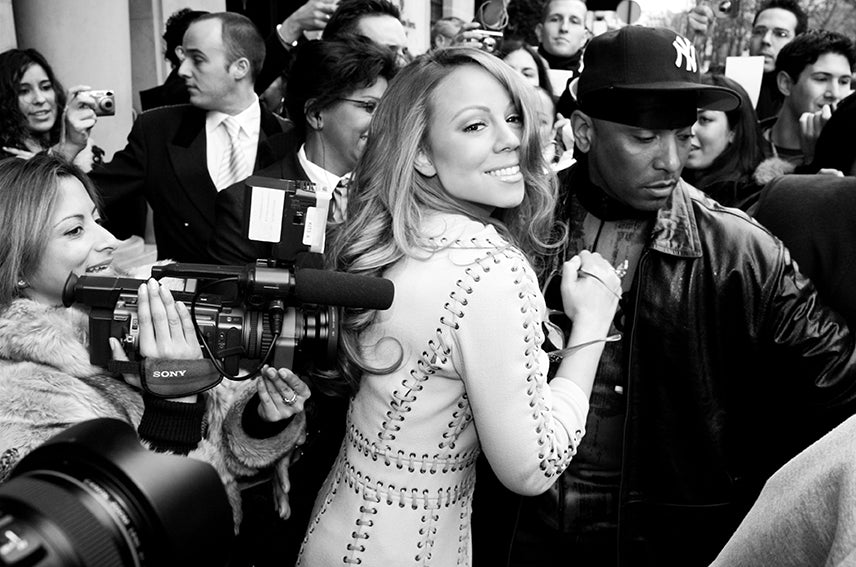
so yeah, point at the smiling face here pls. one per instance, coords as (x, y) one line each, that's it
(773, 29)
(37, 99)
(826, 81)
(345, 127)
(562, 32)
(76, 243)
(637, 166)
(473, 141)
(711, 135)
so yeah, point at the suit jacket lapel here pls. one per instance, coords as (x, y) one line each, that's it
(187, 152)
(271, 125)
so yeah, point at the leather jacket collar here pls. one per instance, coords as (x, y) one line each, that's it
(675, 230)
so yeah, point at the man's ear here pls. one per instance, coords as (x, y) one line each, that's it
(583, 128)
(784, 82)
(313, 116)
(424, 165)
(240, 68)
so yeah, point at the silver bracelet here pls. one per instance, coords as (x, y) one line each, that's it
(561, 353)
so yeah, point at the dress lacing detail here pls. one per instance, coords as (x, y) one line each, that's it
(424, 464)
(553, 457)
(375, 491)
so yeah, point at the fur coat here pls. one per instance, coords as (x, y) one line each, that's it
(47, 384)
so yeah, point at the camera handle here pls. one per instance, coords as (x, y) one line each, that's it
(171, 378)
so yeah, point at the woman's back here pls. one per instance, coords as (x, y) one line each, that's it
(465, 320)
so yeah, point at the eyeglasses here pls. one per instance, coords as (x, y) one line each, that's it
(368, 105)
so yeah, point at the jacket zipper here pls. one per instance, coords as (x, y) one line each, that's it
(637, 282)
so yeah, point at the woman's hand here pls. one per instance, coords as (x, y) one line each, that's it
(590, 291)
(79, 116)
(282, 394)
(23, 154)
(166, 330)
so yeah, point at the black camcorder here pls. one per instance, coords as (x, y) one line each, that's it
(291, 313)
(273, 310)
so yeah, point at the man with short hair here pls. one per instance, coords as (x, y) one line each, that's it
(776, 23)
(729, 363)
(444, 31)
(378, 20)
(562, 34)
(813, 73)
(179, 157)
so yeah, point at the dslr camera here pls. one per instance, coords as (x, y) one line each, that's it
(281, 311)
(105, 102)
(92, 496)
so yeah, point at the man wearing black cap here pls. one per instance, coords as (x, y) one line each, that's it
(729, 363)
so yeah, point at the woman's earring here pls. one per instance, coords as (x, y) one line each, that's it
(22, 284)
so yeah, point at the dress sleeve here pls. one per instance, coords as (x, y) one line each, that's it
(528, 429)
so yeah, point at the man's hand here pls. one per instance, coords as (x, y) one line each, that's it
(312, 16)
(699, 20)
(811, 124)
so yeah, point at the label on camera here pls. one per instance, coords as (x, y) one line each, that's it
(177, 378)
(266, 208)
(315, 229)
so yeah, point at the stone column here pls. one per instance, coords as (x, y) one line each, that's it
(87, 42)
(7, 26)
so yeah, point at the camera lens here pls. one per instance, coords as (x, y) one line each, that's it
(92, 496)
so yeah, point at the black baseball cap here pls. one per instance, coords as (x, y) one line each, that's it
(646, 77)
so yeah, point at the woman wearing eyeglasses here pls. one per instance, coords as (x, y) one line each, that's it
(332, 90)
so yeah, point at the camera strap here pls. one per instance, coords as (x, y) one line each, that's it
(171, 378)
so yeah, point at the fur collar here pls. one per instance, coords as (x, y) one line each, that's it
(53, 336)
(770, 169)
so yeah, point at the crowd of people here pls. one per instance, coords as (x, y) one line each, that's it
(620, 327)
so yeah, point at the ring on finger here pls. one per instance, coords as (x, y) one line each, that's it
(291, 400)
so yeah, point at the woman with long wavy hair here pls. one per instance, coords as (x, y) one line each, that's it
(452, 201)
(36, 114)
(726, 150)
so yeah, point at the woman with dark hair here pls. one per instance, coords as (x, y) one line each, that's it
(36, 115)
(525, 59)
(726, 150)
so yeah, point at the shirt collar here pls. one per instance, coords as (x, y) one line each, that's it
(323, 179)
(249, 119)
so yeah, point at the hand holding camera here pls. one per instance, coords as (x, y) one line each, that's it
(472, 34)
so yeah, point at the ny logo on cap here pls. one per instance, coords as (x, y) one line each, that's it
(686, 51)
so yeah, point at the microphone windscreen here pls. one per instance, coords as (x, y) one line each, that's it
(327, 287)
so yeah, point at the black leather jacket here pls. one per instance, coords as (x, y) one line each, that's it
(734, 365)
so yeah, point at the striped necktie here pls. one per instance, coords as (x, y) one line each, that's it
(340, 199)
(233, 167)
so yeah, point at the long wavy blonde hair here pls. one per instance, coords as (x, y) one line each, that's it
(388, 198)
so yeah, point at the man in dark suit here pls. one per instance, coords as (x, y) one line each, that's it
(179, 157)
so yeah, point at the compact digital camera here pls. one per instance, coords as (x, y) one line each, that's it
(488, 39)
(105, 102)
